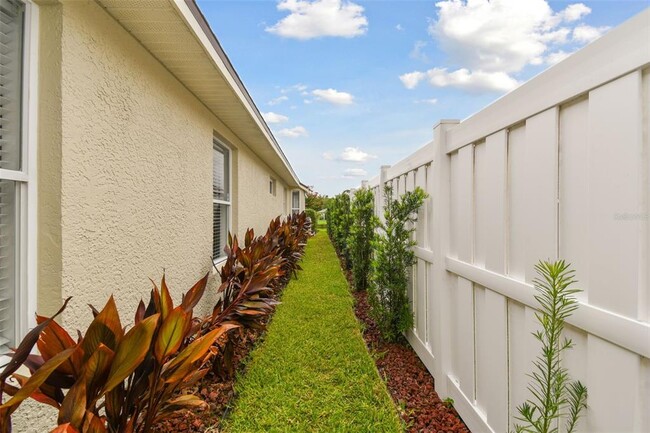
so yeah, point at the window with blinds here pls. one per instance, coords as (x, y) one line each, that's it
(220, 199)
(295, 202)
(11, 53)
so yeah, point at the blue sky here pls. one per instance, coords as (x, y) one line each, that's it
(347, 86)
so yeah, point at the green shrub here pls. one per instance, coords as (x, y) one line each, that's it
(313, 215)
(338, 223)
(555, 396)
(392, 262)
(362, 232)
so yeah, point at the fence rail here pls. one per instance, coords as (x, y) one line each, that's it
(558, 168)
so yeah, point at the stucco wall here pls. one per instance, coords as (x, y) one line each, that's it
(125, 174)
(136, 170)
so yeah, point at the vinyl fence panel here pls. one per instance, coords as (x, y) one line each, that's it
(558, 168)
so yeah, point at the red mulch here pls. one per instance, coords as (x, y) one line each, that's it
(218, 393)
(408, 380)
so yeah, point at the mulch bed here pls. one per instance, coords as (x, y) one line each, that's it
(217, 392)
(408, 380)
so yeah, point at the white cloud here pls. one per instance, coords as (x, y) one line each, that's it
(477, 81)
(417, 53)
(354, 154)
(575, 12)
(355, 172)
(412, 79)
(319, 18)
(278, 100)
(272, 117)
(350, 154)
(431, 101)
(556, 57)
(295, 132)
(585, 34)
(333, 96)
(296, 87)
(500, 35)
(399, 28)
(491, 40)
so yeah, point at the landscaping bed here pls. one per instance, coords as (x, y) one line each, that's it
(408, 381)
(312, 372)
(217, 392)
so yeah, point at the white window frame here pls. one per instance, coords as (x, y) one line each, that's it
(295, 210)
(26, 179)
(216, 143)
(273, 186)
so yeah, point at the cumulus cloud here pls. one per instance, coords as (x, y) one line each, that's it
(492, 40)
(350, 154)
(295, 132)
(272, 117)
(586, 34)
(477, 81)
(278, 100)
(556, 57)
(412, 79)
(355, 172)
(500, 35)
(333, 96)
(320, 18)
(574, 12)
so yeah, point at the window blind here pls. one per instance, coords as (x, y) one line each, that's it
(220, 199)
(220, 187)
(219, 229)
(10, 83)
(11, 35)
(295, 202)
(7, 263)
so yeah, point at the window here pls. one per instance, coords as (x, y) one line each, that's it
(295, 202)
(13, 175)
(272, 186)
(221, 201)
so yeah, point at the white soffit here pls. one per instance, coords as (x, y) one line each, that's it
(177, 35)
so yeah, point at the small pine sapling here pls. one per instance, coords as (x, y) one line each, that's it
(554, 395)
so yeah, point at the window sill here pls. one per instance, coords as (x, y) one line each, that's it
(218, 263)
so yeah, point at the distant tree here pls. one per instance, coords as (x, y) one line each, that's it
(314, 200)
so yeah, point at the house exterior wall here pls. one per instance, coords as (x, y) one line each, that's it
(125, 174)
(126, 159)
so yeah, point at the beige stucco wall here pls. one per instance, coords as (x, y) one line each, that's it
(124, 174)
(134, 165)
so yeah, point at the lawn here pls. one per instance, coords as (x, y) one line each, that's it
(313, 373)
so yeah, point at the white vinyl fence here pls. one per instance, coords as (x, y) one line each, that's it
(558, 168)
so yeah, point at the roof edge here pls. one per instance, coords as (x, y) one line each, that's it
(201, 21)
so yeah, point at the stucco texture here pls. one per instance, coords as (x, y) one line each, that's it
(125, 174)
(136, 169)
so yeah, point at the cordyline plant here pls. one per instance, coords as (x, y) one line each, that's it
(251, 274)
(109, 380)
(555, 396)
(393, 260)
(362, 232)
(245, 292)
(115, 381)
(338, 223)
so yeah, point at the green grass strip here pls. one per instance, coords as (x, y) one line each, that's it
(313, 373)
